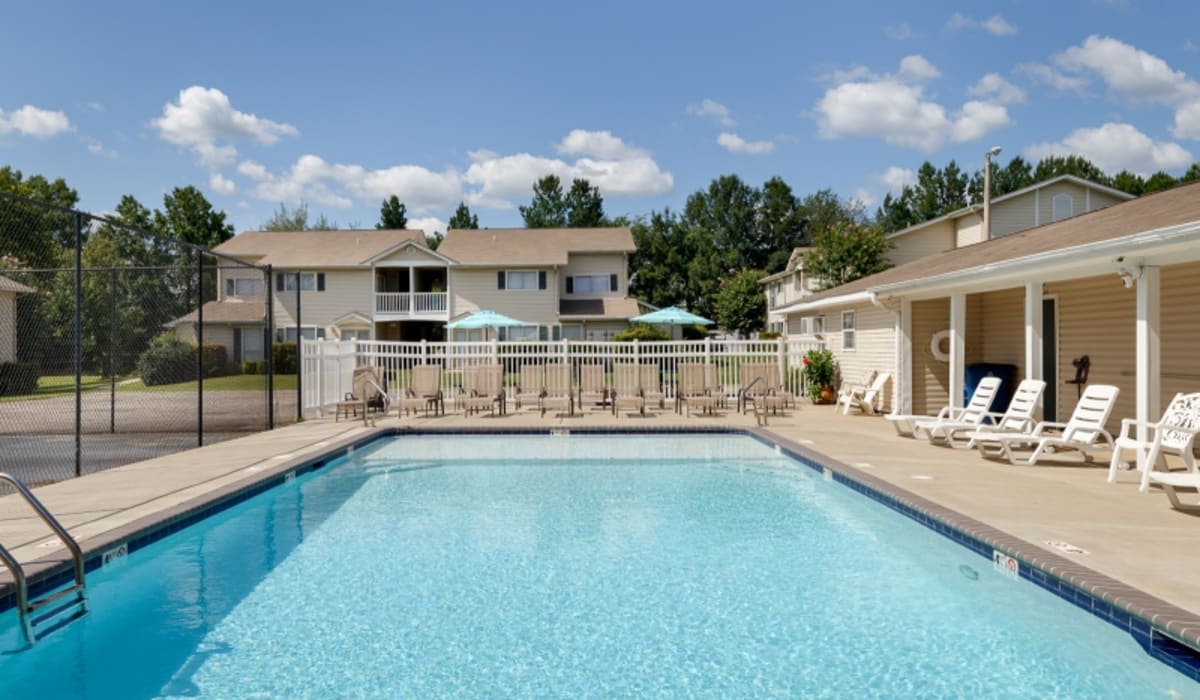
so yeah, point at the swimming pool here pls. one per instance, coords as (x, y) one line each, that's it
(494, 566)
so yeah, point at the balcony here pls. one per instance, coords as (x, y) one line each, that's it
(411, 305)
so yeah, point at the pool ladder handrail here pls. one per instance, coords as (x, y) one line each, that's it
(25, 608)
(760, 417)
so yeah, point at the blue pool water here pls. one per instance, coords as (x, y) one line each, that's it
(581, 566)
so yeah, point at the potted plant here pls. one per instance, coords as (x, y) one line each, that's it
(820, 369)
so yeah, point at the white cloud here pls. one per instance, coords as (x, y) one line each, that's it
(313, 179)
(97, 148)
(865, 197)
(896, 178)
(1114, 147)
(205, 121)
(601, 144)
(998, 89)
(428, 224)
(714, 109)
(900, 115)
(1059, 81)
(899, 31)
(995, 25)
(1129, 71)
(252, 170)
(34, 121)
(917, 68)
(1187, 121)
(736, 144)
(221, 184)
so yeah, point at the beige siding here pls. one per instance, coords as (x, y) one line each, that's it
(973, 352)
(1096, 318)
(8, 327)
(968, 230)
(1099, 200)
(930, 378)
(345, 291)
(934, 238)
(1012, 215)
(594, 264)
(475, 289)
(875, 343)
(1000, 336)
(1180, 330)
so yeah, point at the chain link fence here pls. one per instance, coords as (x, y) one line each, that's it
(119, 344)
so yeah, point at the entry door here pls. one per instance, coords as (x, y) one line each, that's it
(1050, 358)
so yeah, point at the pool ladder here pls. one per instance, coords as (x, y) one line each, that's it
(54, 610)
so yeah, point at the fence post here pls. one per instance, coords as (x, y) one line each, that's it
(300, 354)
(779, 355)
(78, 344)
(112, 354)
(707, 350)
(199, 348)
(269, 343)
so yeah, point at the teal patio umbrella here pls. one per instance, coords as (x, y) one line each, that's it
(673, 316)
(485, 318)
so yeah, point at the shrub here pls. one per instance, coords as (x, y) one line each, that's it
(216, 360)
(168, 360)
(641, 331)
(284, 357)
(820, 369)
(260, 366)
(769, 335)
(18, 378)
(694, 332)
(249, 367)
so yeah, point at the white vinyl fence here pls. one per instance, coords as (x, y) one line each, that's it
(327, 366)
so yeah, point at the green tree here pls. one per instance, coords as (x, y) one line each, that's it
(548, 209)
(189, 217)
(781, 222)
(285, 219)
(660, 263)
(1053, 166)
(741, 305)
(463, 218)
(36, 235)
(1016, 175)
(393, 214)
(1160, 181)
(1129, 182)
(845, 253)
(1192, 174)
(585, 206)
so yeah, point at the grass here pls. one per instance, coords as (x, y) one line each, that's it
(53, 385)
(234, 382)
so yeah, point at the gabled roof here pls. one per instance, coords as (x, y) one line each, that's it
(290, 249)
(228, 311)
(973, 208)
(1156, 219)
(532, 246)
(7, 285)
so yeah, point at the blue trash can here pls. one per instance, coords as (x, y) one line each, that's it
(1008, 379)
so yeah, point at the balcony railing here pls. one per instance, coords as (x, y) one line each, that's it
(411, 303)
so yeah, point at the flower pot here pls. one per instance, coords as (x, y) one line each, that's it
(827, 395)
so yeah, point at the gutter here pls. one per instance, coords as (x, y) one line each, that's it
(840, 300)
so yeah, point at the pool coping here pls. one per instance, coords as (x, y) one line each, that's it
(1169, 633)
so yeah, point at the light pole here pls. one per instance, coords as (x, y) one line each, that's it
(987, 191)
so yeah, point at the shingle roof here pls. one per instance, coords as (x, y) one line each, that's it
(7, 285)
(316, 248)
(608, 307)
(1180, 205)
(535, 246)
(228, 311)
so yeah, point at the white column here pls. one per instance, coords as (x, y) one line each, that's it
(902, 379)
(958, 342)
(1147, 362)
(412, 292)
(1033, 332)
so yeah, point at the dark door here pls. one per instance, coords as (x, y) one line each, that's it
(1050, 358)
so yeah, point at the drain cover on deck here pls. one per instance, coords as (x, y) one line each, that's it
(1066, 547)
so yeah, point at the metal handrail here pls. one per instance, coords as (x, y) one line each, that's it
(760, 417)
(18, 572)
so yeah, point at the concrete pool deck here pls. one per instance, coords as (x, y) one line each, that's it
(1132, 537)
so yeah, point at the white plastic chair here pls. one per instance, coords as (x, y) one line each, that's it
(1084, 431)
(973, 414)
(864, 398)
(1017, 419)
(1173, 434)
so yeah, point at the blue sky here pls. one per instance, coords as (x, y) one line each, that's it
(343, 104)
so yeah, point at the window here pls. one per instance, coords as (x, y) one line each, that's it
(520, 333)
(572, 331)
(356, 334)
(521, 279)
(812, 325)
(288, 335)
(848, 341)
(248, 344)
(798, 281)
(243, 287)
(309, 281)
(1064, 207)
(591, 284)
(773, 290)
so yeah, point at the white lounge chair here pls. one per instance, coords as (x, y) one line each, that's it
(973, 414)
(1084, 431)
(848, 387)
(1173, 482)
(1173, 434)
(864, 398)
(1017, 419)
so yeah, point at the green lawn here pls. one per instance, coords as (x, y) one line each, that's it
(235, 382)
(53, 385)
